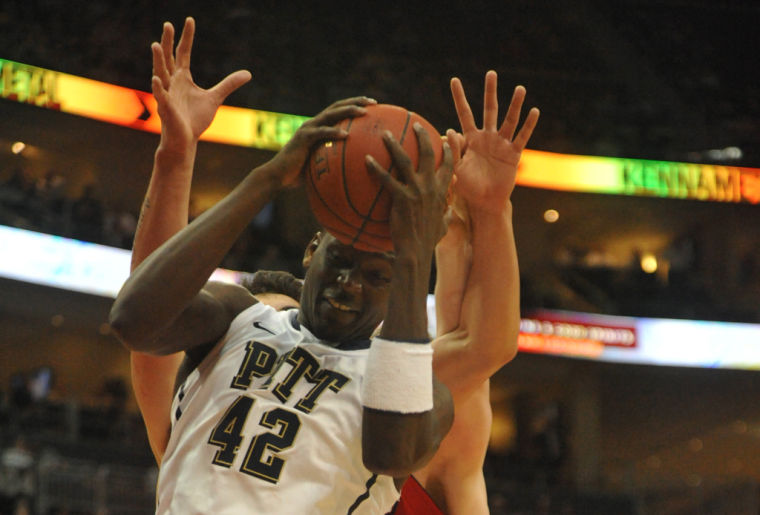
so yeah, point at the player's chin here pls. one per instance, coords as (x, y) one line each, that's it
(339, 317)
(336, 324)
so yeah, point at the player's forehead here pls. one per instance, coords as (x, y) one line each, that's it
(333, 245)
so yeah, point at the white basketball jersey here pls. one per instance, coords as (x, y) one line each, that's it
(270, 422)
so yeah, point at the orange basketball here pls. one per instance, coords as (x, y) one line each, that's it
(346, 200)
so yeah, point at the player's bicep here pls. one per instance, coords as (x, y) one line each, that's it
(205, 319)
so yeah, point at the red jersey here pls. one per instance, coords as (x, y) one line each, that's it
(415, 500)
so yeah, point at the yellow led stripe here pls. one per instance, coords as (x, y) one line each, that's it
(137, 109)
(270, 131)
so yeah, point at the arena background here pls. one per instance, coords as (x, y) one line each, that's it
(663, 80)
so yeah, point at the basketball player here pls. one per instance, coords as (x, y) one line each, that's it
(477, 297)
(454, 477)
(297, 413)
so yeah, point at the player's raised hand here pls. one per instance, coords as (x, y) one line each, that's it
(186, 110)
(486, 173)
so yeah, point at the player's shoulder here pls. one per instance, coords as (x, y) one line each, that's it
(234, 298)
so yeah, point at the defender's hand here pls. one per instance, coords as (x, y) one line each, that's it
(186, 110)
(487, 171)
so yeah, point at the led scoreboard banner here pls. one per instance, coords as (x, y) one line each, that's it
(268, 130)
(100, 270)
(639, 177)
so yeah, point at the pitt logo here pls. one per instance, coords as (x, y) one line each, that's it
(260, 360)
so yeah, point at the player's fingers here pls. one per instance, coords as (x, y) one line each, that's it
(333, 115)
(521, 141)
(230, 83)
(446, 171)
(360, 101)
(453, 139)
(512, 118)
(490, 102)
(167, 45)
(159, 92)
(399, 158)
(426, 161)
(313, 135)
(159, 65)
(450, 190)
(383, 175)
(464, 113)
(185, 45)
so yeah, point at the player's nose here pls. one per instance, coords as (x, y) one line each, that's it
(349, 279)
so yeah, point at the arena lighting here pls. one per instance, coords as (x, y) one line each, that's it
(639, 177)
(649, 263)
(551, 216)
(100, 270)
(267, 130)
(136, 109)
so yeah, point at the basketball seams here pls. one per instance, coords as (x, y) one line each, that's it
(364, 216)
(316, 192)
(314, 195)
(336, 206)
(368, 217)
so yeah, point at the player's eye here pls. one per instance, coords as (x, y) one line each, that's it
(340, 261)
(378, 277)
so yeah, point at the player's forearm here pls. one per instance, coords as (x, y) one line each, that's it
(163, 214)
(491, 305)
(406, 317)
(165, 283)
(397, 444)
(165, 208)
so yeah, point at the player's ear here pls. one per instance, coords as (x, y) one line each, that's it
(311, 248)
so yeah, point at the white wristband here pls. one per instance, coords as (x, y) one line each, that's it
(398, 377)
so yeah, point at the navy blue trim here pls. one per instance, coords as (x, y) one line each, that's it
(363, 497)
(294, 320)
(355, 344)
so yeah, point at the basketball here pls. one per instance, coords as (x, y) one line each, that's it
(346, 200)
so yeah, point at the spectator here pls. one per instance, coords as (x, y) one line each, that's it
(17, 478)
(87, 216)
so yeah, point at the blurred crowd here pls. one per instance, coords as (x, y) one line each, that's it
(61, 456)
(43, 204)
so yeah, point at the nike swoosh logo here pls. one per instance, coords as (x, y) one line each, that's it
(258, 325)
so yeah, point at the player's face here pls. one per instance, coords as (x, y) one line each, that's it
(345, 290)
